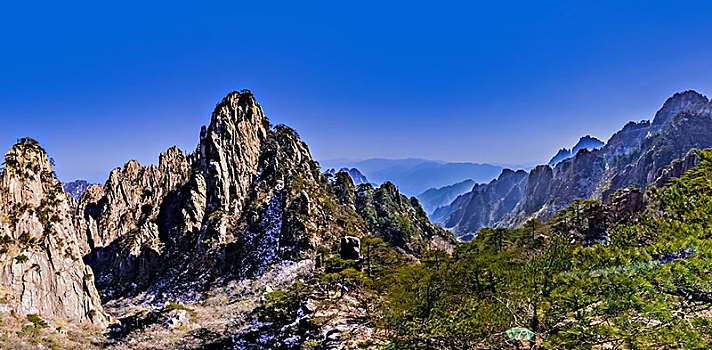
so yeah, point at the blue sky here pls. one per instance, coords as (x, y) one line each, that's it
(103, 82)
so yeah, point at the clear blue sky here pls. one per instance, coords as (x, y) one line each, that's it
(504, 82)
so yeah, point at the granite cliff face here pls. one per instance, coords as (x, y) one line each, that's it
(41, 267)
(635, 156)
(249, 197)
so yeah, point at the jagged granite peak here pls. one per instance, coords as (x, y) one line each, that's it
(587, 142)
(76, 188)
(627, 139)
(41, 267)
(562, 154)
(686, 101)
(229, 149)
(634, 156)
(250, 197)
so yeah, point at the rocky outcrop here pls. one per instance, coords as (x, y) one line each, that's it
(350, 248)
(41, 270)
(624, 205)
(676, 169)
(638, 156)
(249, 197)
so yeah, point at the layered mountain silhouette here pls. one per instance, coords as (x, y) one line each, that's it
(414, 175)
(587, 142)
(355, 174)
(637, 155)
(434, 198)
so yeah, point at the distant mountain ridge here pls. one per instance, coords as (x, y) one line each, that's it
(434, 198)
(76, 188)
(413, 175)
(587, 142)
(637, 155)
(355, 174)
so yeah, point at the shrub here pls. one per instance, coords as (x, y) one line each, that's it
(37, 321)
(176, 306)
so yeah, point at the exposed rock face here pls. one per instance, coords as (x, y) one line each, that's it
(229, 151)
(625, 204)
(687, 101)
(538, 189)
(637, 155)
(120, 220)
(676, 169)
(41, 270)
(76, 189)
(249, 197)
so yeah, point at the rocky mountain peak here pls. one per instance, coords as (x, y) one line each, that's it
(26, 165)
(689, 101)
(40, 254)
(587, 142)
(229, 149)
(250, 196)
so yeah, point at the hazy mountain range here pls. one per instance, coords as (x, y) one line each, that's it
(434, 198)
(586, 142)
(637, 155)
(413, 175)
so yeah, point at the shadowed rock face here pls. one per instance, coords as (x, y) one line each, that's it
(250, 196)
(637, 155)
(485, 204)
(586, 142)
(437, 197)
(41, 270)
(76, 189)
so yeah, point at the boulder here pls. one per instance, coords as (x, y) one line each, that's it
(350, 248)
